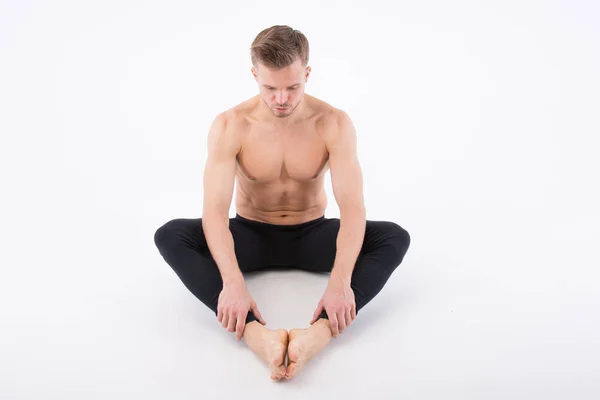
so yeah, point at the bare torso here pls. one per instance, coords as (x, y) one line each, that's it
(280, 171)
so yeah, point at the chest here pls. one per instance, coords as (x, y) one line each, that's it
(270, 156)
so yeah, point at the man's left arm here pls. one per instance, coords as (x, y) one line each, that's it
(347, 182)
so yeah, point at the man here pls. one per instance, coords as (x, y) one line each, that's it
(279, 145)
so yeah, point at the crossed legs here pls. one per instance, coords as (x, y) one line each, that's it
(310, 246)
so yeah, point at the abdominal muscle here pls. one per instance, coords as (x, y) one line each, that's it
(280, 203)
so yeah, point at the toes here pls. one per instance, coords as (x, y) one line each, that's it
(278, 372)
(291, 370)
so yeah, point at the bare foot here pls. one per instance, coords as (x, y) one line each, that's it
(305, 343)
(269, 345)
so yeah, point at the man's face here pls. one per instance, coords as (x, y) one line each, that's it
(281, 89)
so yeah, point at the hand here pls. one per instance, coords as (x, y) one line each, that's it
(233, 306)
(338, 302)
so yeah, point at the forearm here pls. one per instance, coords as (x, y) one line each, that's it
(349, 242)
(221, 246)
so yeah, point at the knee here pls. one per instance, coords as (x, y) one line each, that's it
(401, 235)
(164, 233)
(401, 240)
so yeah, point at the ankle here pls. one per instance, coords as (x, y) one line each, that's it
(253, 328)
(323, 324)
(253, 324)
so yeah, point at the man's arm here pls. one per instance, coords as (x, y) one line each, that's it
(219, 180)
(347, 183)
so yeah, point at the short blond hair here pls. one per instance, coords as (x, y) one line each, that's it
(279, 46)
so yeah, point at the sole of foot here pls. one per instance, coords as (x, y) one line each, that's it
(304, 344)
(270, 346)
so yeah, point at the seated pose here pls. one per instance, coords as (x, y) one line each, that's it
(278, 147)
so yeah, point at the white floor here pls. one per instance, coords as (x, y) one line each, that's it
(479, 311)
(485, 148)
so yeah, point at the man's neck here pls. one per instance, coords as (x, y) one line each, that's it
(266, 115)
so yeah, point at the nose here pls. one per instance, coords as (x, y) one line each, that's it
(281, 97)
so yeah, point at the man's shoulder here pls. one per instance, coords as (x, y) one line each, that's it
(329, 116)
(333, 124)
(228, 125)
(321, 107)
(235, 119)
(324, 114)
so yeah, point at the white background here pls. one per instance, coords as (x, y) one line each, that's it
(478, 128)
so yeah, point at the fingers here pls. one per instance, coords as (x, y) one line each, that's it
(342, 321)
(228, 319)
(333, 324)
(232, 321)
(241, 324)
(317, 312)
(225, 319)
(257, 314)
(315, 315)
(353, 313)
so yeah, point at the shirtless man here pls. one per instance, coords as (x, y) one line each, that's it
(278, 147)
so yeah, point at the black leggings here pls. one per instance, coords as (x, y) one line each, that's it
(310, 246)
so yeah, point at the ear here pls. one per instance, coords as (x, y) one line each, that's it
(308, 70)
(253, 73)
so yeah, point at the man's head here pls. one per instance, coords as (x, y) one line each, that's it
(280, 66)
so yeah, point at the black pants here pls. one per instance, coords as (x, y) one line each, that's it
(310, 246)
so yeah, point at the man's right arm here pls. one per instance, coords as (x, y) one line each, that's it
(219, 178)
